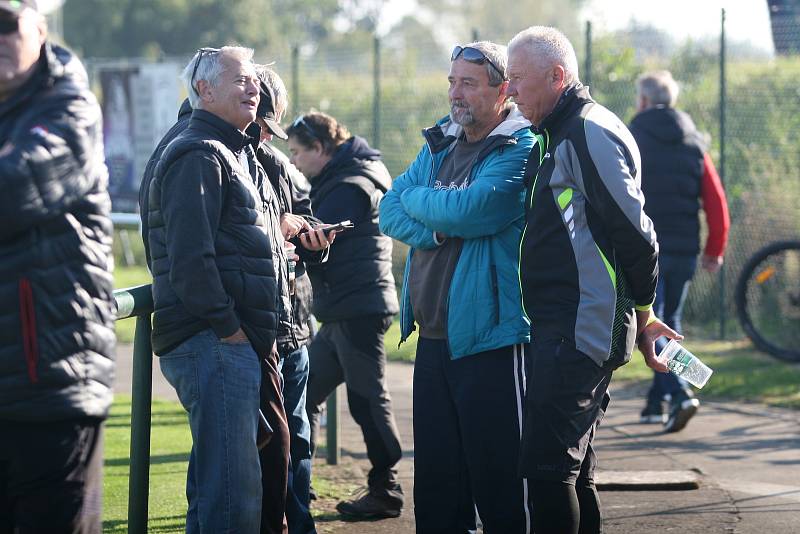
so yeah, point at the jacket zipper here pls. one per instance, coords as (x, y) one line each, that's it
(28, 319)
(542, 151)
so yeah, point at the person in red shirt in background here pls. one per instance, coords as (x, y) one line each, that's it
(678, 180)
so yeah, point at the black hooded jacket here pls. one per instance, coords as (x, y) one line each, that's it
(357, 279)
(672, 173)
(56, 302)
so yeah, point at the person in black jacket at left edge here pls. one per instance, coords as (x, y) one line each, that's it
(56, 302)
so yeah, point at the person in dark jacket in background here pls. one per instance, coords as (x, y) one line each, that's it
(354, 298)
(678, 178)
(56, 303)
(311, 246)
(217, 260)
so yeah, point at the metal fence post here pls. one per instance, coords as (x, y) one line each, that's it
(722, 105)
(587, 68)
(295, 80)
(138, 485)
(332, 428)
(376, 102)
(138, 302)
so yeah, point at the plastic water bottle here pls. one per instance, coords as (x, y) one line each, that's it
(685, 364)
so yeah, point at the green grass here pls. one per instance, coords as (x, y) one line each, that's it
(740, 372)
(170, 443)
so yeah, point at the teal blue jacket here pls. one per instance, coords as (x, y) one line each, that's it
(484, 308)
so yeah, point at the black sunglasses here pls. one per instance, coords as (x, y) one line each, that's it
(301, 121)
(9, 25)
(473, 55)
(200, 53)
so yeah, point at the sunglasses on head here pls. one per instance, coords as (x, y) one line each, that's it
(301, 121)
(473, 55)
(200, 53)
(9, 25)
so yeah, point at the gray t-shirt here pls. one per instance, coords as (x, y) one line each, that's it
(432, 270)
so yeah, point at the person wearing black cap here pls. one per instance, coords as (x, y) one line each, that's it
(56, 305)
(297, 223)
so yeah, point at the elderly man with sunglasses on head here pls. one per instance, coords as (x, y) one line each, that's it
(216, 254)
(56, 307)
(460, 208)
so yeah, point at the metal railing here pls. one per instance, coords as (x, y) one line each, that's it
(138, 302)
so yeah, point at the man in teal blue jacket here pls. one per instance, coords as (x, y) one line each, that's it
(460, 208)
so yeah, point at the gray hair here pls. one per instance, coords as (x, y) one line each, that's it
(210, 68)
(550, 46)
(659, 88)
(271, 78)
(497, 54)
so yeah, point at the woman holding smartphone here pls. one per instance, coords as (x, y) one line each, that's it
(354, 298)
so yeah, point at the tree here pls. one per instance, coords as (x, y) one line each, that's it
(151, 28)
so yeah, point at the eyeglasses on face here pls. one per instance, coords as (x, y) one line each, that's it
(473, 55)
(200, 53)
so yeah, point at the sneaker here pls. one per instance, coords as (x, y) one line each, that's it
(367, 505)
(653, 414)
(681, 412)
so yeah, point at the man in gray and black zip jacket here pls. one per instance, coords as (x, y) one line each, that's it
(588, 271)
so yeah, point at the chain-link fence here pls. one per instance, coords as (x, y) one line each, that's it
(747, 106)
(745, 102)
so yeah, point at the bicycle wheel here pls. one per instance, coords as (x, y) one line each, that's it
(768, 299)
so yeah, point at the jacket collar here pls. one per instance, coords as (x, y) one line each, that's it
(47, 70)
(444, 132)
(569, 101)
(231, 136)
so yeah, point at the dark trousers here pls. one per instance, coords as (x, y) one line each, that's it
(352, 352)
(467, 427)
(51, 477)
(675, 274)
(567, 399)
(274, 456)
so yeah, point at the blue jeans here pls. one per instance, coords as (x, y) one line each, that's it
(294, 368)
(674, 276)
(218, 384)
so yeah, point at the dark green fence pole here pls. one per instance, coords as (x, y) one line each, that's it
(722, 103)
(587, 69)
(138, 486)
(376, 101)
(332, 428)
(475, 35)
(138, 302)
(295, 81)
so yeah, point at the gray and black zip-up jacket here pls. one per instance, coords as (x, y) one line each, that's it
(588, 254)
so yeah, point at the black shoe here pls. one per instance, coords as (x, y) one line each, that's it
(683, 408)
(653, 413)
(368, 505)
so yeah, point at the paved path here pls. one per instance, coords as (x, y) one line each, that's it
(748, 455)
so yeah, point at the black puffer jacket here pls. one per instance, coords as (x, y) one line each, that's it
(211, 246)
(672, 173)
(357, 280)
(184, 114)
(56, 303)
